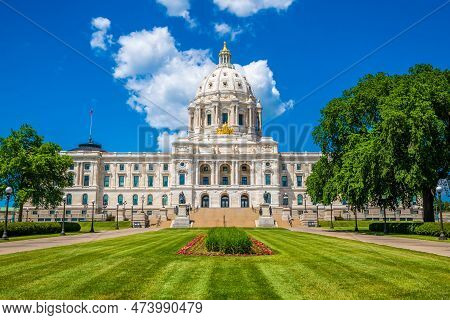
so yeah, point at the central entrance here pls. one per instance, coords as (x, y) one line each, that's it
(205, 201)
(224, 201)
(244, 201)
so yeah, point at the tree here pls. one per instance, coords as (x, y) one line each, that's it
(389, 138)
(35, 169)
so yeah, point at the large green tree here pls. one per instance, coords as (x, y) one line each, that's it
(35, 169)
(388, 137)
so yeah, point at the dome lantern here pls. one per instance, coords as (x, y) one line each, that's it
(225, 56)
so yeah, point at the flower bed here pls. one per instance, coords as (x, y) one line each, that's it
(197, 247)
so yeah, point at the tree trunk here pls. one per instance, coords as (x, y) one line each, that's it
(19, 219)
(428, 199)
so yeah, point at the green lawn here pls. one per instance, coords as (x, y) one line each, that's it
(104, 225)
(146, 266)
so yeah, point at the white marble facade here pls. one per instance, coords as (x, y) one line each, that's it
(211, 169)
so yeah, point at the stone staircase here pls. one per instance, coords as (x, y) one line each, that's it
(219, 217)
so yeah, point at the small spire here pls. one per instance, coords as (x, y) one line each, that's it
(225, 56)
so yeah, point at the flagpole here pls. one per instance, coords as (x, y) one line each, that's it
(90, 126)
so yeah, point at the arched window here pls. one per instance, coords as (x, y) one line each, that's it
(285, 200)
(244, 201)
(164, 200)
(135, 199)
(105, 199)
(69, 199)
(150, 200)
(120, 199)
(84, 199)
(299, 199)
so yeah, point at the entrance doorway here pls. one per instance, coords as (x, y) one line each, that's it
(205, 201)
(224, 201)
(244, 201)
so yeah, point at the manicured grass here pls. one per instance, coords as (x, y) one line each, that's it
(345, 224)
(228, 241)
(146, 266)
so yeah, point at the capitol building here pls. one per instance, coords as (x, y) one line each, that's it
(223, 162)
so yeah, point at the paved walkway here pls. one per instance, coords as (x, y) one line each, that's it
(7, 247)
(427, 246)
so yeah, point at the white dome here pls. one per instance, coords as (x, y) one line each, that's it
(224, 79)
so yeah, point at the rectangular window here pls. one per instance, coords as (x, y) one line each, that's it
(205, 181)
(299, 181)
(87, 166)
(225, 181)
(106, 181)
(135, 181)
(284, 182)
(299, 166)
(208, 119)
(224, 117)
(121, 181)
(107, 167)
(150, 181)
(268, 177)
(241, 119)
(72, 167)
(165, 181)
(121, 167)
(182, 179)
(150, 166)
(244, 181)
(68, 212)
(165, 166)
(86, 181)
(136, 167)
(283, 166)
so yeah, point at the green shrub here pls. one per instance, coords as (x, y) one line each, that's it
(432, 229)
(30, 228)
(395, 227)
(228, 241)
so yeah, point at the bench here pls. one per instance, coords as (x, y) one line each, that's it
(137, 224)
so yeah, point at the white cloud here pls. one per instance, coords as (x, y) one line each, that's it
(245, 8)
(178, 8)
(100, 38)
(260, 77)
(143, 52)
(165, 139)
(162, 80)
(223, 29)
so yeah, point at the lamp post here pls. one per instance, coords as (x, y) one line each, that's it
(92, 217)
(305, 202)
(439, 192)
(8, 192)
(331, 216)
(117, 216)
(132, 216)
(317, 215)
(27, 213)
(63, 233)
(142, 201)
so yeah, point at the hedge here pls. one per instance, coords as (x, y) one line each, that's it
(228, 241)
(432, 229)
(30, 228)
(395, 227)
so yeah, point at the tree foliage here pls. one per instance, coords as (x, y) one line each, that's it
(35, 169)
(387, 140)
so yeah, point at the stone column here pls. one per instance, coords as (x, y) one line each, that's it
(197, 174)
(216, 173)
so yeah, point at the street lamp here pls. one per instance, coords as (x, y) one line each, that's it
(63, 233)
(92, 217)
(132, 216)
(8, 192)
(117, 216)
(331, 215)
(439, 192)
(142, 200)
(27, 209)
(305, 203)
(124, 210)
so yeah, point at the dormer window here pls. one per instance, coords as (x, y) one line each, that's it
(239, 85)
(224, 83)
(210, 84)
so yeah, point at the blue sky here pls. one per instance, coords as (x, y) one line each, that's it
(298, 44)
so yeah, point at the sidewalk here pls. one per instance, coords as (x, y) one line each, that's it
(434, 247)
(43, 243)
